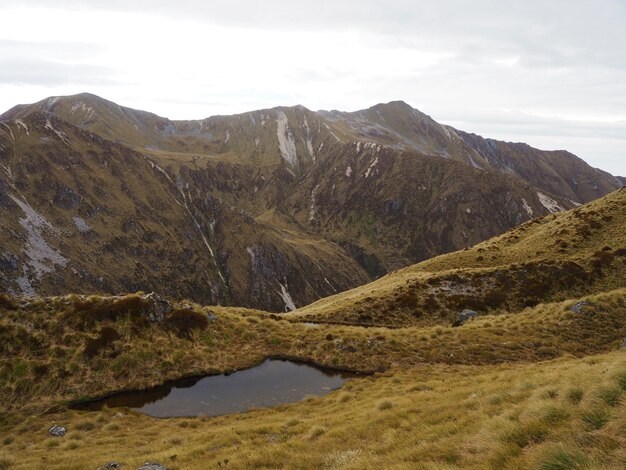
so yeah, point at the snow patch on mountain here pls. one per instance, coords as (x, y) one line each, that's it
(474, 164)
(529, 210)
(60, 135)
(371, 167)
(251, 253)
(284, 293)
(22, 124)
(286, 142)
(42, 258)
(549, 203)
(88, 111)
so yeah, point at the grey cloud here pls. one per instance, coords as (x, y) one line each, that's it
(543, 33)
(25, 71)
(50, 63)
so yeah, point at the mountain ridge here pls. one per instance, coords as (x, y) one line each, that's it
(371, 191)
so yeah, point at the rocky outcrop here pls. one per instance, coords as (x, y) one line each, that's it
(584, 307)
(465, 315)
(157, 307)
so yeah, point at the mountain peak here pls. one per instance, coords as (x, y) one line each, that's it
(394, 104)
(398, 108)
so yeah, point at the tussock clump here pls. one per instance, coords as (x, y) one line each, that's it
(85, 426)
(554, 415)
(596, 418)
(532, 432)
(106, 336)
(94, 309)
(601, 259)
(183, 322)
(7, 303)
(621, 380)
(611, 396)
(315, 432)
(406, 299)
(384, 405)
(575, 395)
(564, 459)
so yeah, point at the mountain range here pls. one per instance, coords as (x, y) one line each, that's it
(271, 209)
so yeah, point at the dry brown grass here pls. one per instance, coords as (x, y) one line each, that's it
(49, 354)
(432, 417)
(529, 384)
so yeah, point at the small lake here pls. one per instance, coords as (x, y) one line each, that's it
(271, 383)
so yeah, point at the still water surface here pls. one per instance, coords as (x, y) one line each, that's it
(271, 383)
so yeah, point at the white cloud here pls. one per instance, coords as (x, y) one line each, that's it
(549, 73)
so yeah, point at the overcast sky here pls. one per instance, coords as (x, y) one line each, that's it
(551, 73)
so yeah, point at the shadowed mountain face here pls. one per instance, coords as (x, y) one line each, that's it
(270, 209)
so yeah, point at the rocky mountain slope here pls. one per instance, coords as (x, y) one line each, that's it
(81, 213)
(548, 259)
(272, 209)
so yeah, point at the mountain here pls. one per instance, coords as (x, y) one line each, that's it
(271, 209)
(82, 213)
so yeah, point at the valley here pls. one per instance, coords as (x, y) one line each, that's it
(529, 382)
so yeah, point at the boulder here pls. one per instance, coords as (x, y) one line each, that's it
(466, 314)
(110, 466)
(57, 431)
(585, 307)
(152, 466)
(578, 307)
(158, 307)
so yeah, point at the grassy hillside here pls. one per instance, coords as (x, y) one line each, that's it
(550, 258)
(538, 382)
(563, 414)
(68, 348)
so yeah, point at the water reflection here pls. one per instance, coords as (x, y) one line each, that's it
(269, 384)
